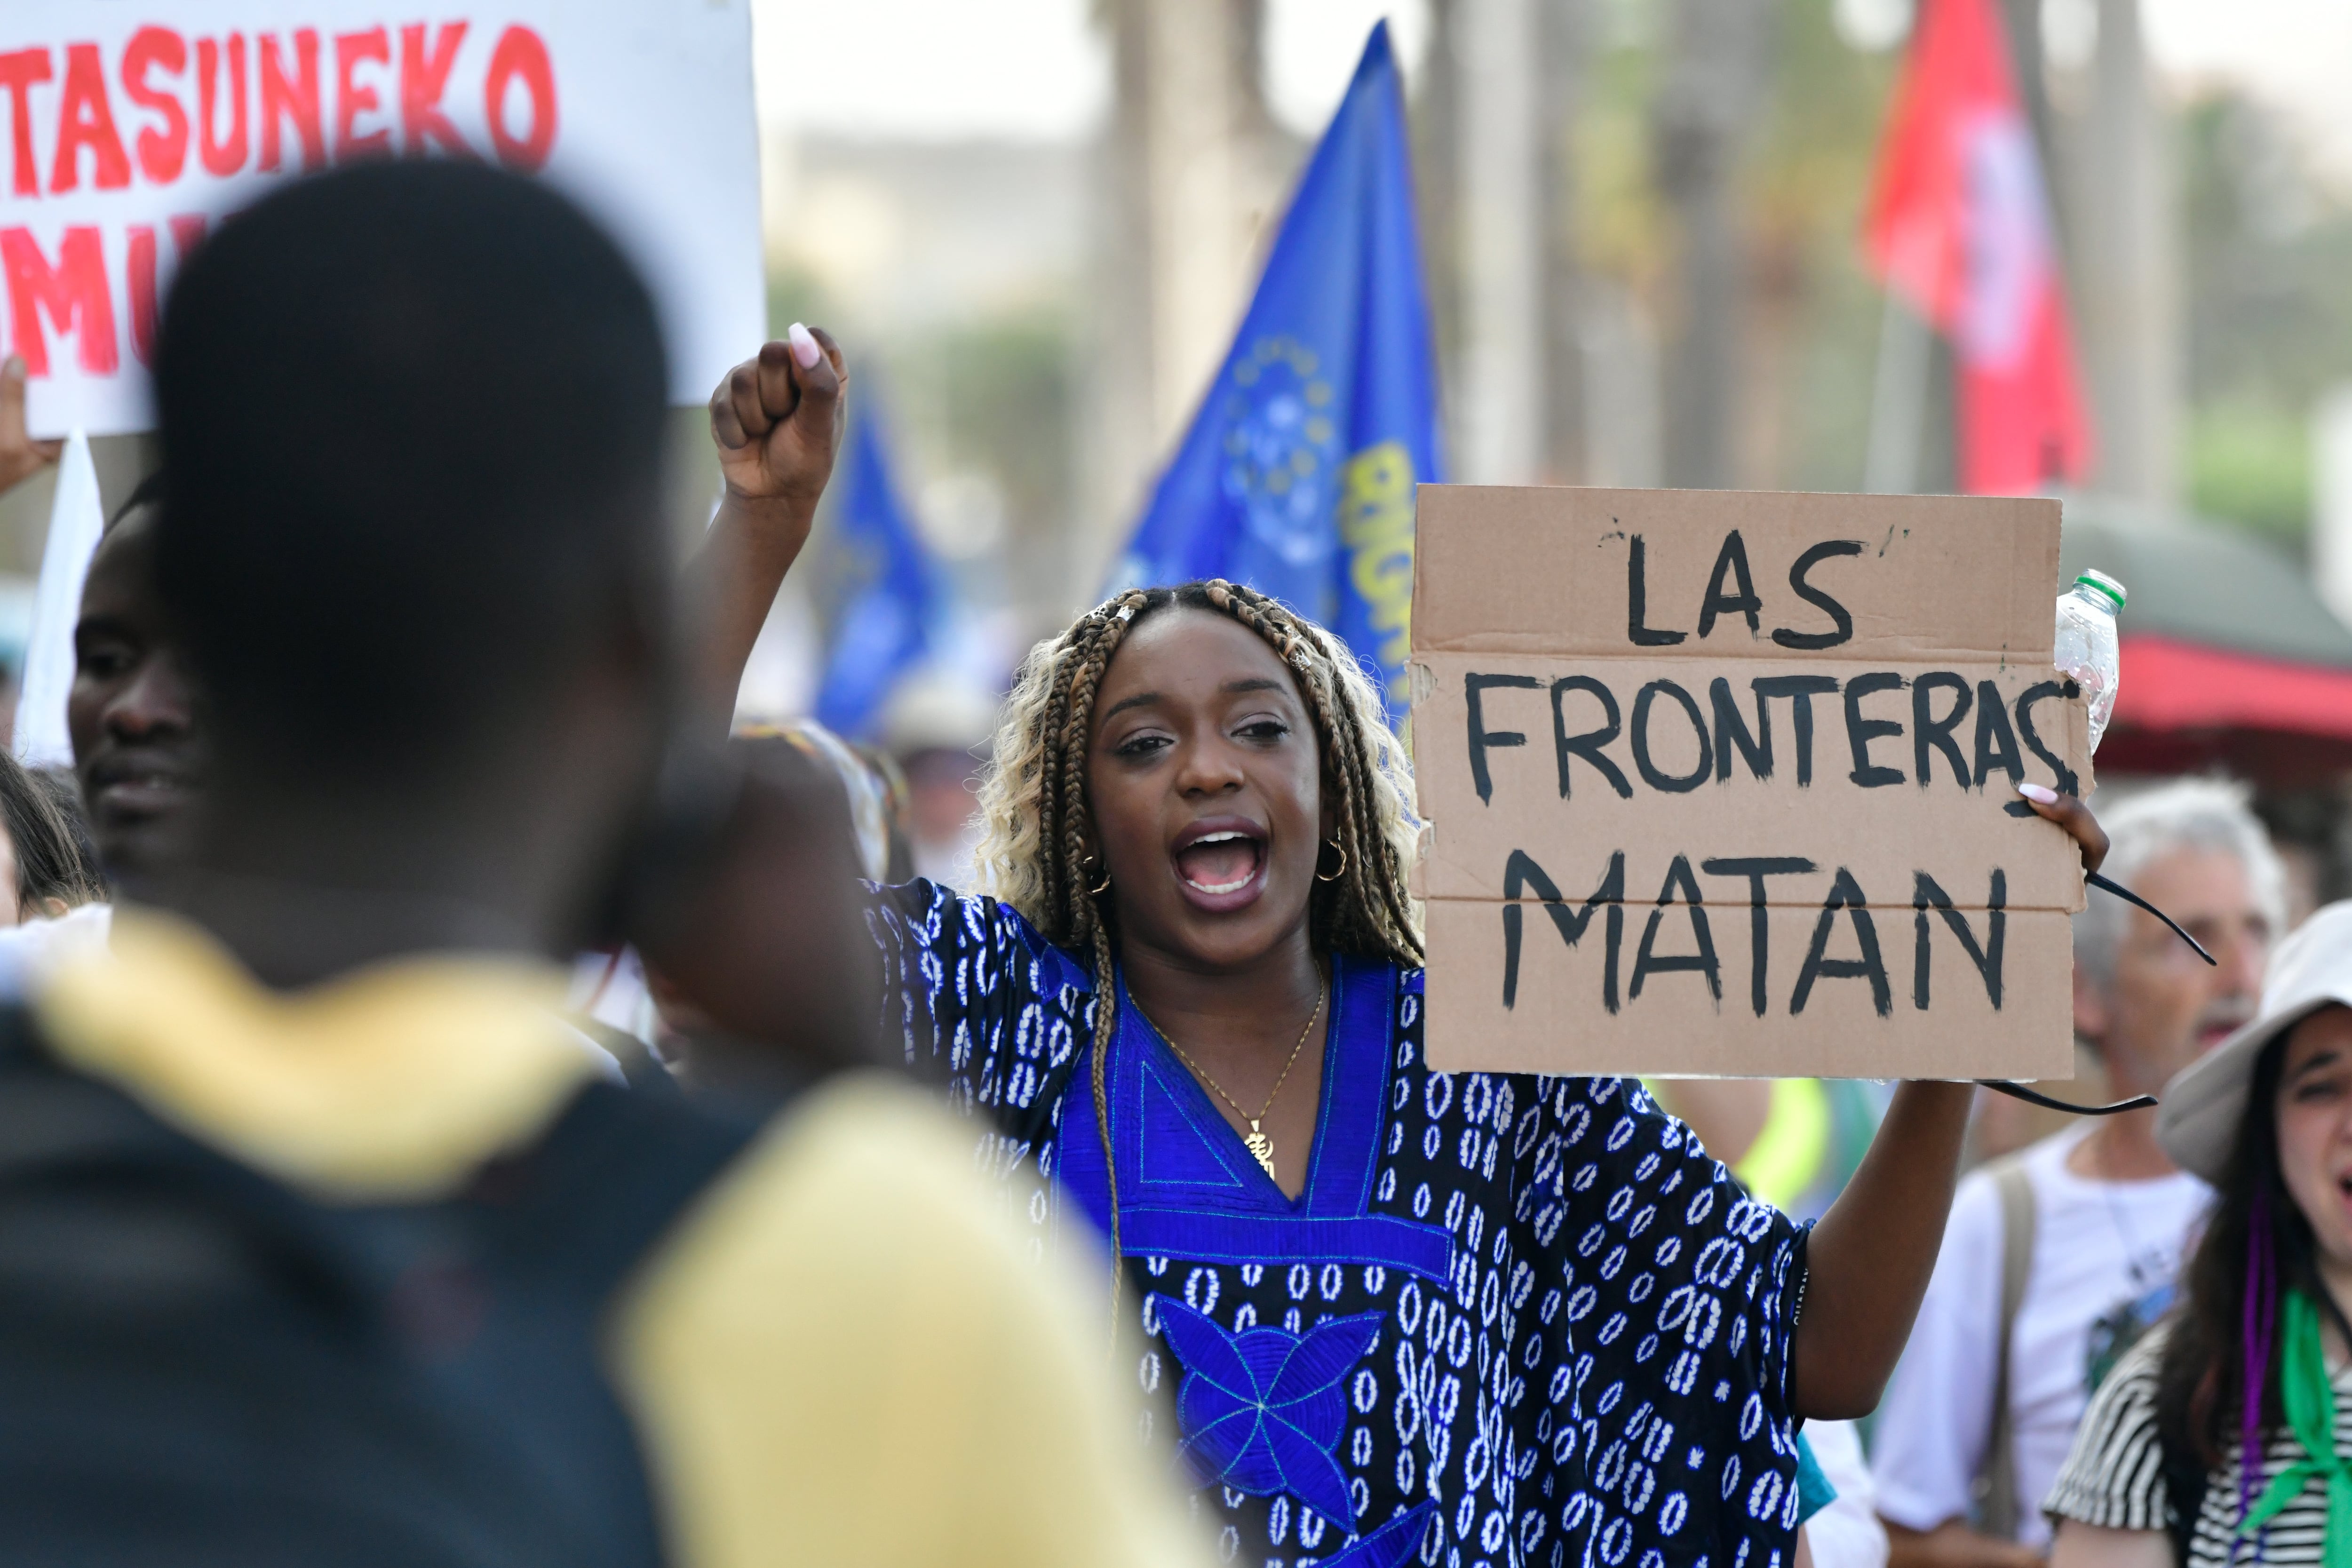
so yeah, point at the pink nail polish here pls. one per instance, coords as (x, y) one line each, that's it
(2040, 793)
(805, 352)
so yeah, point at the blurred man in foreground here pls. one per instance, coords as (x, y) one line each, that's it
(325, 1246)
(2058, 1257)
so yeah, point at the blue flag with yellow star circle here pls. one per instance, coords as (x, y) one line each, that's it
(1298, 475)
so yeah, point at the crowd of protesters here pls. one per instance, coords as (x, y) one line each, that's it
(459, 1106)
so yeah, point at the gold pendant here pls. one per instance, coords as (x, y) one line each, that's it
(1261, 1148)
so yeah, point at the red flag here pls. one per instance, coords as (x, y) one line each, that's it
(1959, 224)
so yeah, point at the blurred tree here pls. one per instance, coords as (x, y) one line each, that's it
(1564, 40)
(1794, 342)
(1011, 409)
(2270, 312)
(1814, 314)
(1718, 71)
(794, 294)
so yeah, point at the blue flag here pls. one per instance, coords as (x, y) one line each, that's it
(891, 598)
(1298, 475)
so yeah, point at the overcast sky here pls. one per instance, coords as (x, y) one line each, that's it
(1036, 69)
(948, 69)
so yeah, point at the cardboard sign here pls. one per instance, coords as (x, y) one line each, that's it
(1724, 783)
(126, 131)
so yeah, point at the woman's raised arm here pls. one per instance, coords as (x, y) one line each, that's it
(1870, 1257)
(776, 420)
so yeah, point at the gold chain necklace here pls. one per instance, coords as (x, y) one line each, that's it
(1260, 1146)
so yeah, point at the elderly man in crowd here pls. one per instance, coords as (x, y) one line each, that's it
(2058, 1257)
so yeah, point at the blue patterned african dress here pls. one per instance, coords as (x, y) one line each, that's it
(1510, 1319)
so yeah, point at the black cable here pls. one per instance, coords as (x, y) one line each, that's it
(2119, 891)
(2034, 1097)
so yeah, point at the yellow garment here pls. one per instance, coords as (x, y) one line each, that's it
(842, 1360)
(393, 1083)
(1788, 1155)
(840, 1355)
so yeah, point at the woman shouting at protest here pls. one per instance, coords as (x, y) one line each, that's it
(1404, 1315)
(2225, 1435)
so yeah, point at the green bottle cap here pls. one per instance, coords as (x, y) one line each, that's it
(2106, 587)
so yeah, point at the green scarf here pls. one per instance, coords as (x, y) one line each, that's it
(2310, 1400)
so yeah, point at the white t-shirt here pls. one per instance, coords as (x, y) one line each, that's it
(2097, 1247)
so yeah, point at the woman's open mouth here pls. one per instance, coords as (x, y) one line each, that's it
(1220, 864)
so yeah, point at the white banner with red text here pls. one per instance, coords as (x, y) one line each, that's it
(126, 133)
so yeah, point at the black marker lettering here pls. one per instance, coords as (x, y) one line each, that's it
(1758, 924)
(1860, 731)
(1815, 641)
(1731, 558)
(1474, 690)
(2065, 782)
(1637, 593)
(1519, 873)
(1801, 690)
(1731, 731)
(1678, 876)
(1672, 784)
(1845, 894)
(1588, 744)
(1996, 742)
(1925, 895)
(1930, 735)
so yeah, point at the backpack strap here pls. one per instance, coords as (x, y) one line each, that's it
(1998, 1510)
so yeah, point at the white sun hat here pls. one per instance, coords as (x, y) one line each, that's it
(2206, 1102)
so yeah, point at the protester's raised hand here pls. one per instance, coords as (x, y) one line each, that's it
(20, 456)
(777, 420)
(2072, 815)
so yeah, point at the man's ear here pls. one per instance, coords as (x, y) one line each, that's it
(2091, 1012)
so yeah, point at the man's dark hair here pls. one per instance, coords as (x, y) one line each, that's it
(410, 427)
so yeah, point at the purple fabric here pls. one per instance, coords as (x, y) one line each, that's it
(2260, 1324)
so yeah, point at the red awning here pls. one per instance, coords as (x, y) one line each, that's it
(2173, 686)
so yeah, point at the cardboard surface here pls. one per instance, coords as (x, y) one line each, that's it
(1706, 720)
(640, 109)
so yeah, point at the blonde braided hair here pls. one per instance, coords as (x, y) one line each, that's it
(1032, 800)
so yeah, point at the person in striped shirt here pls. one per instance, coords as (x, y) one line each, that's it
(2225, 1435)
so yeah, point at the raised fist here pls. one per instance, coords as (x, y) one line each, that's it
(777, 420)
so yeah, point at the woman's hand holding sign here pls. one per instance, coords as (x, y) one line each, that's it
(2073, 816)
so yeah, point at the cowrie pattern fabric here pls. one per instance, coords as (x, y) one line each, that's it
(1572, 1323)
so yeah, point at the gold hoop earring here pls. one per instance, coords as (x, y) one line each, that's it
(1343, 864)
(1099, 892)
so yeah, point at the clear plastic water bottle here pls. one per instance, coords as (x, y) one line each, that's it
(2087, 643)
